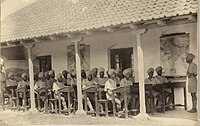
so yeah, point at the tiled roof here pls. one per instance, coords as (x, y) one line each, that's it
(48, 17)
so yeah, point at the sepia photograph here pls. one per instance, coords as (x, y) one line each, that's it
(100, 62)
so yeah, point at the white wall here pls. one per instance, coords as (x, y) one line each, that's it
(100, 43)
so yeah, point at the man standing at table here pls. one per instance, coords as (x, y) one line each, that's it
(192, 81)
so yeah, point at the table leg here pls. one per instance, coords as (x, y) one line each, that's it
(185, 98)
(173, 100)
(163, 99)
(96, 104)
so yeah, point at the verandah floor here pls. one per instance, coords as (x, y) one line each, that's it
(177, 117)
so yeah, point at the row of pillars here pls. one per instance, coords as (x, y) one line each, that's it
(80, 111)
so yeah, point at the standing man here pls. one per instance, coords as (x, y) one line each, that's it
(2, 83)
(192, 81)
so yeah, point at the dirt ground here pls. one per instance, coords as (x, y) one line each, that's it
(9, 118)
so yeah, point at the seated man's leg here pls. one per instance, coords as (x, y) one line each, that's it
(118, 102)
(63, 103)
(89, 104)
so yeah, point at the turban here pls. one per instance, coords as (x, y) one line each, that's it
(117, 71)
(94, 70)
(23, 75)
(10, 74)
(150, 70)
(51, 72)
(111, 71)
(41, 74)
(158, 68)
(101, 69)
(126, 71)
(190, 56)
(59, 75)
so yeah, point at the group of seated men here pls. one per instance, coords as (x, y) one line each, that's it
(115, 78)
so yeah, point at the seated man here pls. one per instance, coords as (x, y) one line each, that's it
(149, 80)
(159, 79)
(11, 82)
(23, 84)
(73, 77)
(132, 76)
(101, 79)
(119, 76)
(110, 85)
(89, 82)
(56, 86)
(126, 82)
(41, 83)
(51, 79)
(66, 80)
(94, 72)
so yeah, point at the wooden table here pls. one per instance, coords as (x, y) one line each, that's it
(94, 90)
(172, 86)
(68, 90)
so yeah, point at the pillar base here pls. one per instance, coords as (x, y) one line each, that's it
(80, 113)
(33, 111)
(142, 117)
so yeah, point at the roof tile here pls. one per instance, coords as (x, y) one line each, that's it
(47, 17)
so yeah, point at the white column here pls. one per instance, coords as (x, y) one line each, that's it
(143, 114)
(31, 77)
(198, 55)
(80, 110)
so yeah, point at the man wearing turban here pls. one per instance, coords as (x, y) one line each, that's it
(56, 86)
(160, 79)
(101, 79)
(192, 81)
(23, 84)
(110, 85)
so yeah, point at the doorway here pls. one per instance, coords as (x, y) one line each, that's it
(121, 58)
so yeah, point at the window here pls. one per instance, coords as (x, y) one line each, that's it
(44, 63)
